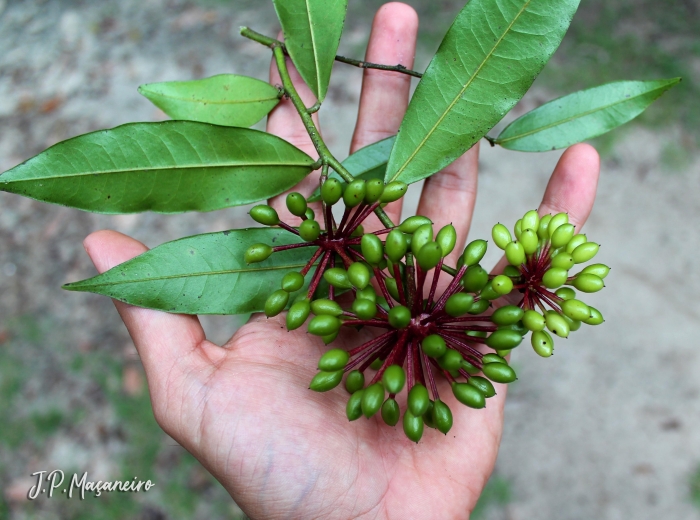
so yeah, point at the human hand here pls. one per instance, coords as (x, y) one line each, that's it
(244, 409)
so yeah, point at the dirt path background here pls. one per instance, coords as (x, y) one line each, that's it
(605, 429)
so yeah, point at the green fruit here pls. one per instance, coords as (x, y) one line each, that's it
(359, 275)
(396, 245)
(447, 238)
(488, 293)
(292, 282)
(459, 304)
(531, 220)
(588, 283)
(554, 277)
(429, 255)
(309, 230)
(331, 191)
(257, 253)
(337, 277)
(469, 395)
(575, 309)
(372, 249)
(565, 293)
(330, 338)
(557, 220)
(574, 325)
(324, 381)
(528, 238)
(393, 379)
(309, 214)
(542, 343)
(428, 416)
(412, 426)
(504, 339)
(434, 346)
(563, 260)
(450, 360)
(368, 293)
(515, 253)
(353, 410)
(542, 229)
(276, 303)
(477, 333)
(418, 400)
(359, 231)
(479, 307)
(557, 324)
(399, 317)
(507, 315)
(381, 301)
(585, 252)
(518, 327)
(501, 236)
(391, 412)
(533, 320)
(265, 215)
(499, 373)
(373, 190)
(323, 306)
(333, 360)
(442, 416)
(355, 381)
(421, 236)
(392, 287)
(324, 325)
(474, 252)
(296, 204)
(393, 191)
(412, 223)
(483, 385)
(364, 309)
(372, 399)
(600, 270)
(576, 241)
(511, 272)
(596, 318)
(493, 358)
(502, 285)
(562, 235)
(376, 364)
(469, 368)
(354, 193)
(297, 314)
(475, 278)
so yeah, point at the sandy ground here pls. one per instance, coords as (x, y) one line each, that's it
(605, 429)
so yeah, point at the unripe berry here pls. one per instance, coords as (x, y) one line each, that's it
(392, 288)
(355, 381)
(297, 314)
(529, 240)
(359, 275)
(554, 277)
(531, 220)
(563, 260)
(429, 255)
(475, 278)
(557, 220)
(488, 293)
(276, 303)
(542, 343)
(562, 235)
(396, 245)
(373, 190)
(418, 400)
(469, 395)
(515, 253)
(364, 309)
(575, 309)
(543, 228)
(502, 285)
(337, 277)
(450, 360)
(331, 191)
(588, 283)
(399, 317)
(353, 410)
(393, 191)
(421, 236)
(393, 379)
(372, 249)
(265, 215)
(324, 381)
(446, 239)
(309, 214)
(330, 338)
(324, 306)
(585, 252)
(600, 270)
(501, 236)
(596, 318)
(292, 282)
(499, 372)
(459, 304)
(257, 253)
(372, 399)
(309, 230)
(493, 358)
(557, 324)
(434, 346)
(565, 293)
(354, 193)
(391, 412)
(507, 315)
(479, 307)
(332, 360)
(441, 416)
(296, 204)
(533, 320)
(518, 229)
(411, 224)
(576, 241)
(474, 252)
(483, 385)
(412, 426)
(368, 293)
(504, 339)
(469, 368)
(324, 325)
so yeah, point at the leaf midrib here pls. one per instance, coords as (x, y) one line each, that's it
(164, 168)
(461, 92)
(313, 47)
(191, 275)
(577, 116)
(213, 102)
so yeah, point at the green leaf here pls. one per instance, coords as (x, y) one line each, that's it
(166, 167)
(581, 115)
(485, 64)
(226, 99)
(366, 163)
(202, 274)
(312, 30)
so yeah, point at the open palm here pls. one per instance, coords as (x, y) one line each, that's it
(244, 408)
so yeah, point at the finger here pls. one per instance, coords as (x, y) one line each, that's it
(384, 96)
(284, 121)
(571, 188)
(168, 344)
(449, 197)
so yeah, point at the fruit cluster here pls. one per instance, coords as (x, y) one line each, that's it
(429, 327)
